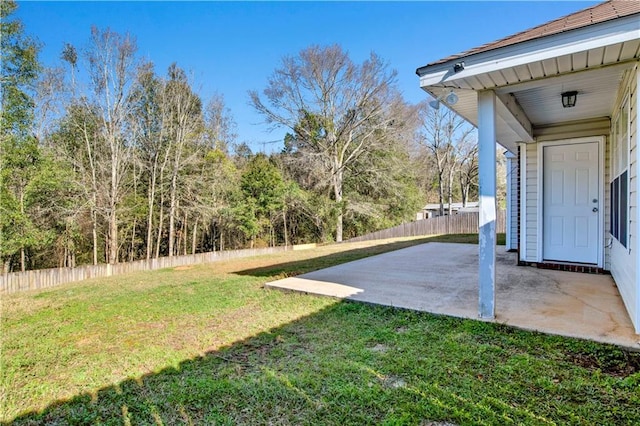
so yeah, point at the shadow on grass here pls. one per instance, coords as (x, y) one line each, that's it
(290, 269)
(353, 363)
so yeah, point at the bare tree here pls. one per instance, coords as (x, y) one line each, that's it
(220, 128)
(442, 131)
(467, 164)
(152, 143)
(77, 141)
(184, 113)
(50, 98)
(337, 109)
(111, 60)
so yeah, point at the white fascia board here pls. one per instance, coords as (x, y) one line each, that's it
(434, 78)
(579, 40)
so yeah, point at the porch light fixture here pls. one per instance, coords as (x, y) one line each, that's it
(451, 99)
(569, 99)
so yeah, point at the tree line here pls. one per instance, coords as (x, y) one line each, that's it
(106, 159)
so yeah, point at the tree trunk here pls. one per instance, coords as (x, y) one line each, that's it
(213, 237)
(133, 242)
(22, 255)
(185, 226)
(94, 223)
(441, 193)
(69, 247)
(151, 198)
(464, 191)
(113, 218)
(172, 212)
(337, 190)
(284, 221)
(193, 237)
(113, 238)
(22, 259)
(94, 234)
(160, 225)
(450, 187)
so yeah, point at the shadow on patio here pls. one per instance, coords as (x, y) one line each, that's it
(442, 278)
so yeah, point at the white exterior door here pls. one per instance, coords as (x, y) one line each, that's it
(571, 203)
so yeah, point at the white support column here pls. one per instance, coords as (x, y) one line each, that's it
(487, 192)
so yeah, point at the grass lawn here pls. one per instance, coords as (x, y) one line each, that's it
(209, 345)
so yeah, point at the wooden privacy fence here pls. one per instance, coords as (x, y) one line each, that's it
(44, 278)
(463, 223)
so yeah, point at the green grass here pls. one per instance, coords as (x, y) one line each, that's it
(210, 345)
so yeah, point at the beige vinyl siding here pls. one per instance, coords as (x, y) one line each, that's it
(531, 190)
(513, 194)
(572, 129)
(633, 166)
(623, 260)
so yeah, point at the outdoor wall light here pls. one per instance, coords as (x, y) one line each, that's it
(451, 99)
(569, 99)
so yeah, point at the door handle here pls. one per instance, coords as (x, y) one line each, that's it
(595, 210)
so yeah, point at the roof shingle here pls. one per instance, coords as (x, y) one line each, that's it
(602, 12)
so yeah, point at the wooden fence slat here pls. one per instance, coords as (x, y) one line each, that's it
(45, 278)
(464, 223)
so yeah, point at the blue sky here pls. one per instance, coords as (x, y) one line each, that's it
(232, 47)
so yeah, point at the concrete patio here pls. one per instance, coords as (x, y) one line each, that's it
(442, 278)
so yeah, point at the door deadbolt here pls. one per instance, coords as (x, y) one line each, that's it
(595, 210)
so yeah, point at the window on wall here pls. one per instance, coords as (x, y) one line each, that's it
(620, 175)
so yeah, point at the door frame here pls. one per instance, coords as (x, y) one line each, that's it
(600, 140)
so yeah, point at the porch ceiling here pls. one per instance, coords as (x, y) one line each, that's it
(597, 90)
(541, 101)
